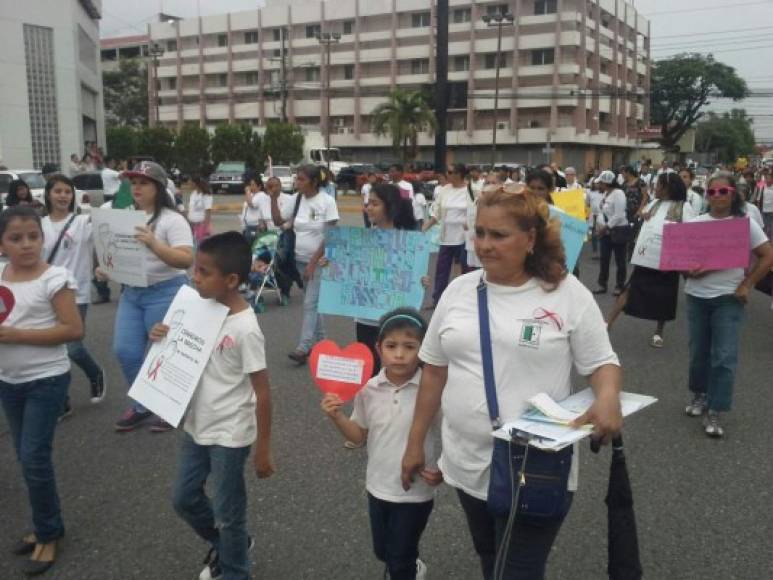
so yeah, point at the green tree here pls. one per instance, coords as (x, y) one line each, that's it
(157, 142)
(728, 136)
(125, 93)
(191, 149)
(683, 85)
(121, 141)
(283, 142)
(237, 142)
(403, 117)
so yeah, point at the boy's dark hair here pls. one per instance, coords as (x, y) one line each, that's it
(53, 180)
(22, 212)
(402, 319)
(231, 252)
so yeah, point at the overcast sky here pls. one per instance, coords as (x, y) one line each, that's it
(737, 32)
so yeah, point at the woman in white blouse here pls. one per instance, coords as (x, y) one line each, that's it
(613, 231)
(543, 323)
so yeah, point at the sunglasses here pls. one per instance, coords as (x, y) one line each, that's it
(720, 191)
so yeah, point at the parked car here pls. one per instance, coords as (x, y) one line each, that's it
(286, 177)
(37, 184)
(354, 176)
(228, 176)
(90, 182)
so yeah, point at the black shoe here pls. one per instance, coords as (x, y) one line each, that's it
(66, 411)
(23, 547)
(36, 567)
(212, 570)
(131, 419)
(98, 388)
(298, 356)
(600, 290)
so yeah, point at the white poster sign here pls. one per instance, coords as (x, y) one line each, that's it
(649, 243)
(172, 369)
(121, 256)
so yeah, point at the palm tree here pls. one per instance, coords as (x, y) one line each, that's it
(403, 117)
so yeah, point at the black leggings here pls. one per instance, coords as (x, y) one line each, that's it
(529, 547)
(368, 335)
(607, 248)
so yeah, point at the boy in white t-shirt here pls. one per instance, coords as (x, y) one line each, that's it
(229, 410)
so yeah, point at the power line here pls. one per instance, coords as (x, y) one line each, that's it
(730, 31)
(704, 8)
(676, 52)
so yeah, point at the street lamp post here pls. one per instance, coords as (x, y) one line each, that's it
(498, 20)
(156, 51)
(327, 39)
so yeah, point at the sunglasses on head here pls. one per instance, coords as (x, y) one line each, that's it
(720, 191)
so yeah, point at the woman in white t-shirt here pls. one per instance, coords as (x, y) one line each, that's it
(310, 212)
(200, 209)
(251, 212)
(68, 242)
(169, 244)
(450, 209)
(715, 305)
(543, 323)
(613, 222)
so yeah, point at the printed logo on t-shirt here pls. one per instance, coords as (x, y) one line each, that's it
(226, 344)
(530, 333)
(545, 316)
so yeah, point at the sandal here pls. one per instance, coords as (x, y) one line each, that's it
(36, 565)
(656, 341)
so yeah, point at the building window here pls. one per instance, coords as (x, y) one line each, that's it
(543, 56)
(420, 20)
(349, 72)
(494, 9)
(313, 31)
(87, 50)
(222, 40)
(251, 37)
(312, 74)
(491, 60)
(41, 94)
(545, 7)
(251, 78)
(462, 15)
(462, 62)
(277, 53)
(172, 83)
(171, 45)
(419, 66)
(222, 80)
(348, 26)
(273, 78)
(277, 34)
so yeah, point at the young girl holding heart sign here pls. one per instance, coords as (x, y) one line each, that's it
(383, 411)
(39, 317)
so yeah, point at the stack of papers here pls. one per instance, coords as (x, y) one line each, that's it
(546, 422)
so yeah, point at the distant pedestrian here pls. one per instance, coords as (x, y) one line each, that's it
(200, 209)
(614, 232)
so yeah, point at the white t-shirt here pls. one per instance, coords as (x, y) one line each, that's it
(111, 181)
(314, 215)
(477, 185)
(767, 199)
(263, 201)
(198, 204)
(365, 191)
(172, 229)
(22, 363)
(406, 189)
(386, 411)
(451, 211)
(222, 411)
(613, 209)
(723, 282)
(469, 234)
(754, 214)
(75, 253)
(537, 337)
(419, 206)
(695, 200)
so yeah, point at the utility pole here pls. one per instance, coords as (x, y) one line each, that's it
(156, 51)
(441, 85)
(283, 74)
(499, 20)
(327, 39)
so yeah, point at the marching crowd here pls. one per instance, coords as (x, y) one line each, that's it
(426, 414)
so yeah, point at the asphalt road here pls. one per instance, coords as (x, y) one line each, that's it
(703, 507)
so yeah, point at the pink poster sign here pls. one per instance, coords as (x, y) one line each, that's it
(708, 245)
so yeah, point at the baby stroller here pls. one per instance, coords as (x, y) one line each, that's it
(264, 275)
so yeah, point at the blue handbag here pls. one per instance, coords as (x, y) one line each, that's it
(532, 479)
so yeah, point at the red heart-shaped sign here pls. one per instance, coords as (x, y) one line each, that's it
(340, 371)
(7, 302)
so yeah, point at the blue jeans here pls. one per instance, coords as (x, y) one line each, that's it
(80, 355)
(529, 547)
(138, 310)
(223, 521)
(714, 325)
(312, 329)
(397, 529)
(32, 410)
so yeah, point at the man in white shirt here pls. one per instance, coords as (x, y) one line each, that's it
(571, 179)
(365, 192)
(111, 179)
(396, 177)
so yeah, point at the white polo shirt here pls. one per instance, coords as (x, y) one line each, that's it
(537, 338)
(386, 411)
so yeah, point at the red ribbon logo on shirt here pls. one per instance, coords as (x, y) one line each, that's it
(545, 314)
(226, 344)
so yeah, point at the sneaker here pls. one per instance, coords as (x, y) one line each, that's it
(711, 425)
(66, 410)
(698, 405)
(656, 341)
(160, 426)
(353, 445)
(421, 570)
(212, 570)
(98, 388)
(131, 419)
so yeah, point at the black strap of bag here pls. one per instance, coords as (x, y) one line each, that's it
(58, 243)
(523, 480)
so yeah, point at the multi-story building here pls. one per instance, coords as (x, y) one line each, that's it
(51, 92)
(117, 48)
(573, 74)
